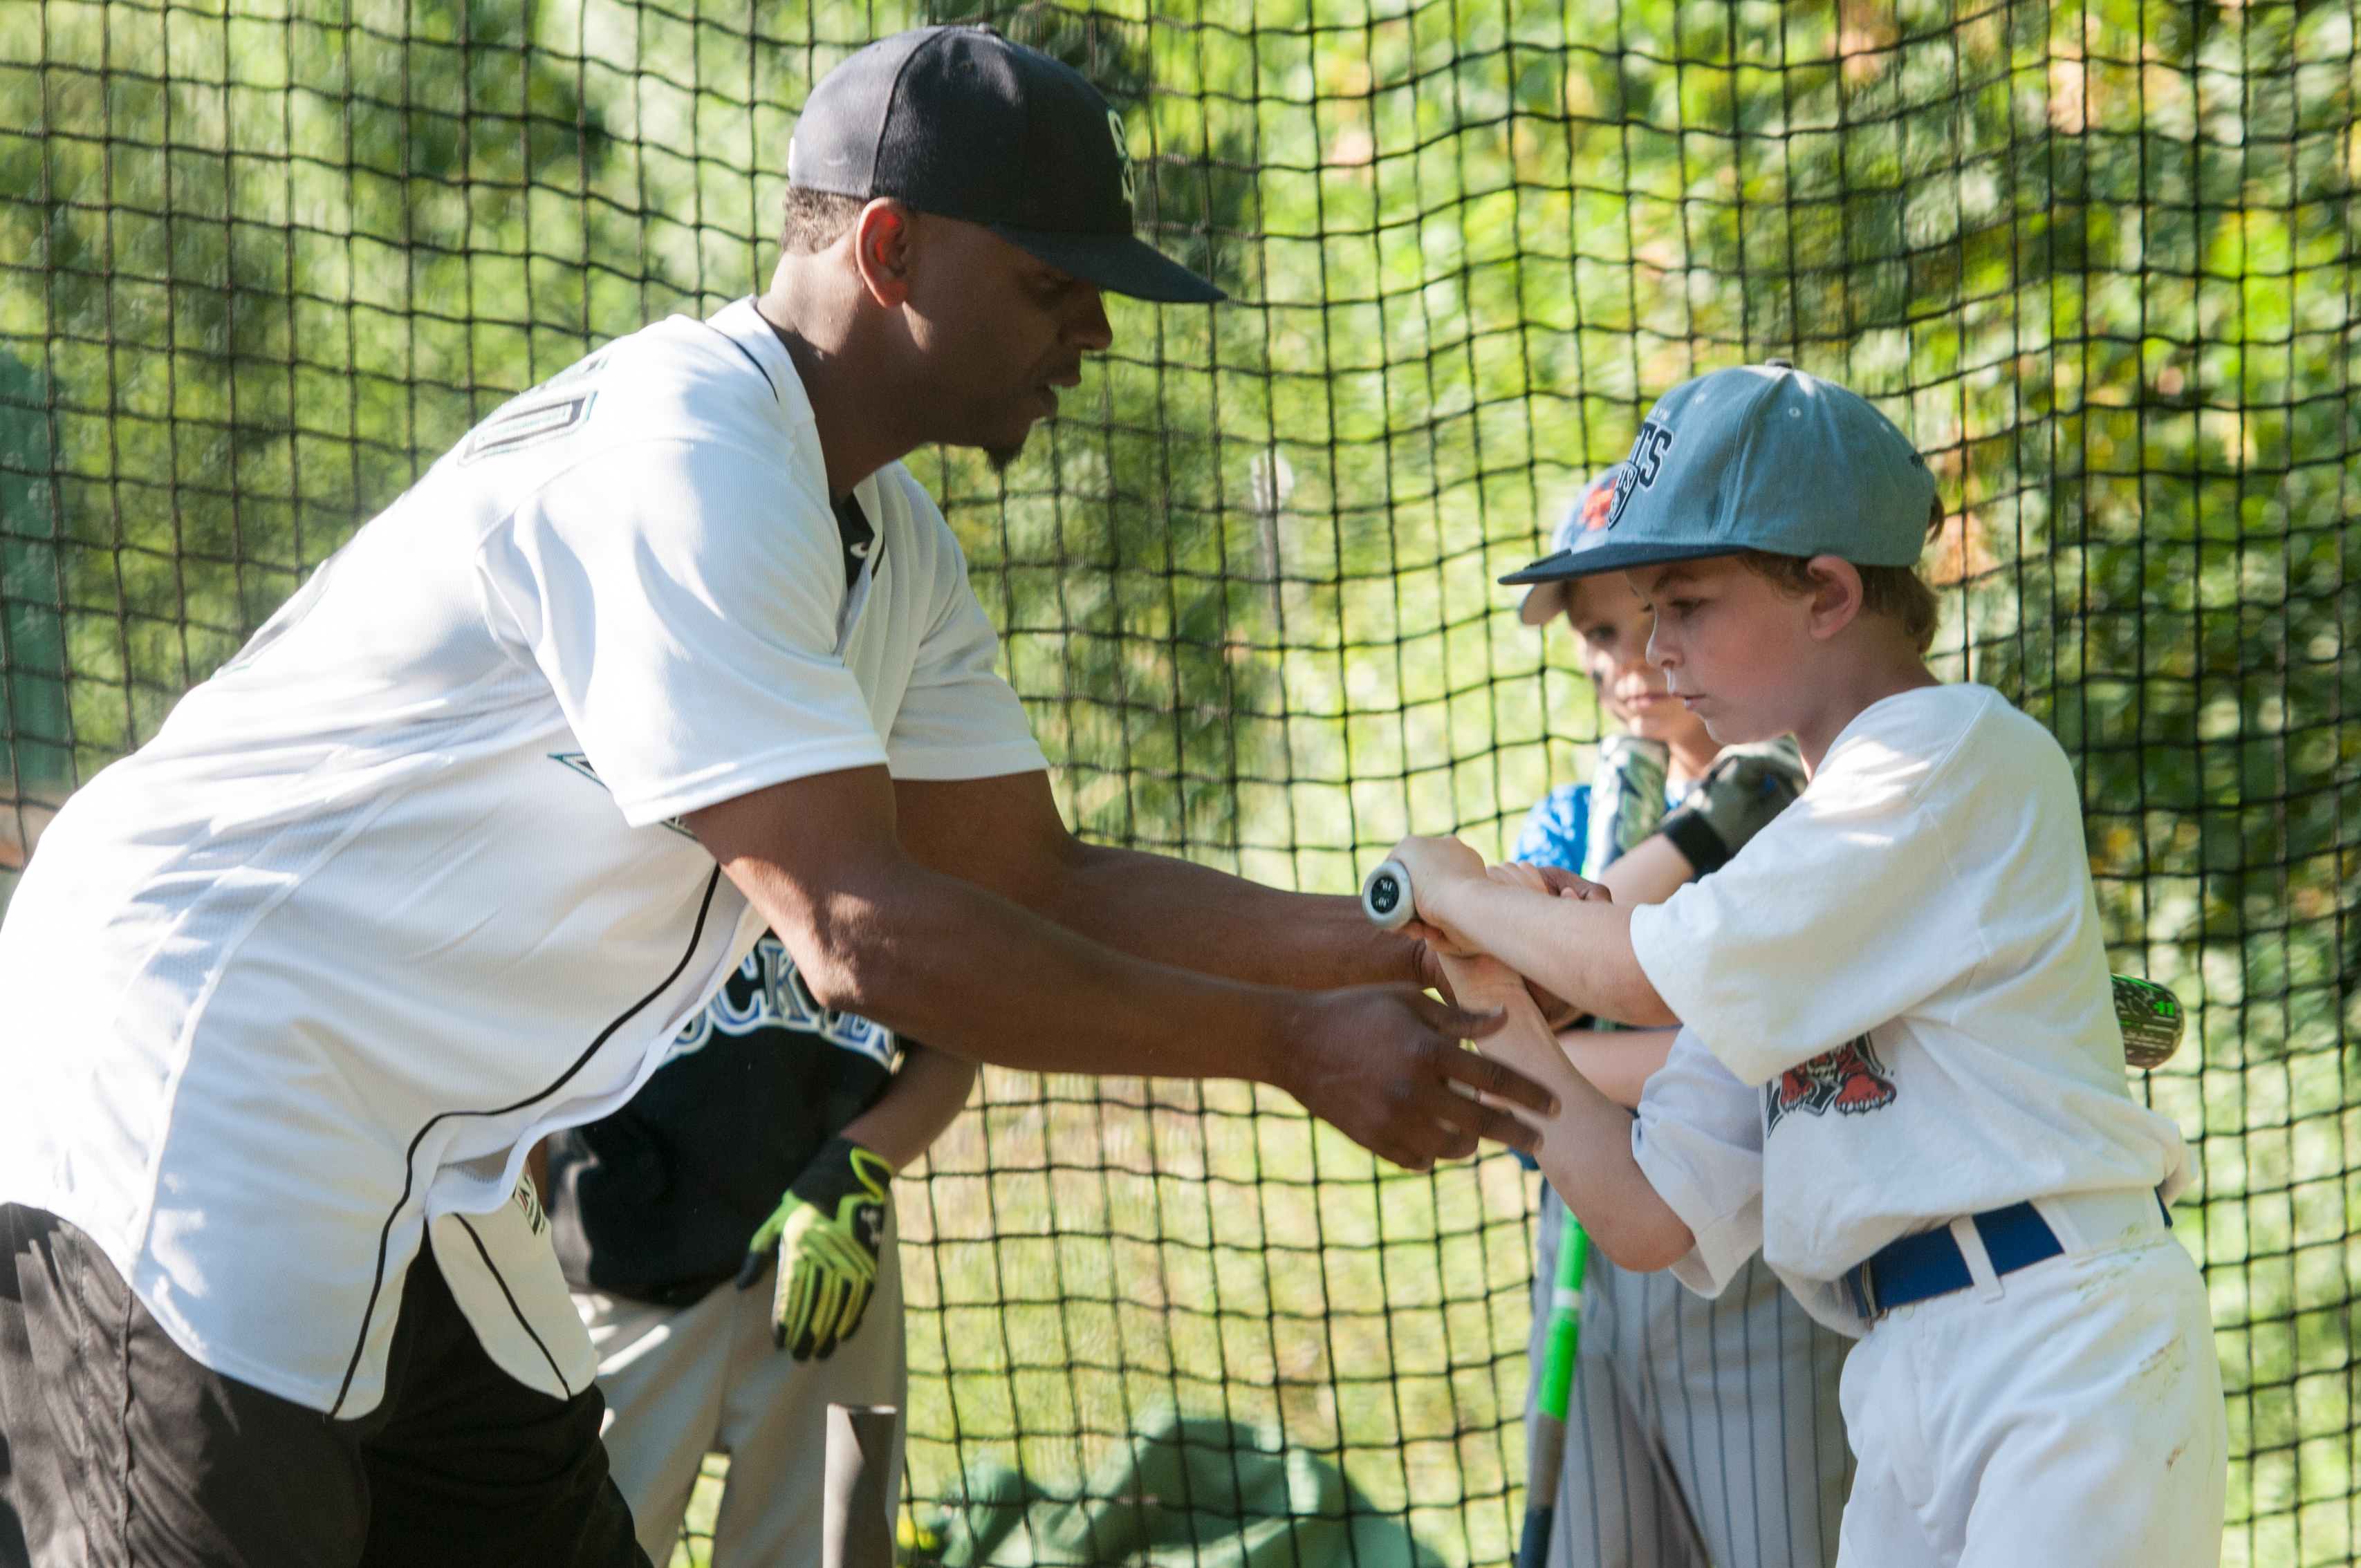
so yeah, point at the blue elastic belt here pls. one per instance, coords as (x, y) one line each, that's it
(1929, 1264)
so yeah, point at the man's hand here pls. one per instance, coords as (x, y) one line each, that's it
(1380, 1063)
(826, 1233)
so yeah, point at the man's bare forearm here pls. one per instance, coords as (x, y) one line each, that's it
(945, 961)
(922, 905)
(1198, 919)
(1006, 834)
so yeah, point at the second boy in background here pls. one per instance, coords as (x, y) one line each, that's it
(1698, 1431)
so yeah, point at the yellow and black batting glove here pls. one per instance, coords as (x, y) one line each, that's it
(825, 1232)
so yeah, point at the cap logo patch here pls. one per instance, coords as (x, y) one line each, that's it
(1123, 156)
(1647, 460)
(1598, 504)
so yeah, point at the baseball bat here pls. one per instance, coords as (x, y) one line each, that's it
(2152, 1017)
(1561, 1343)
(856, 1509)
(1525, 1042)
(1385, 896)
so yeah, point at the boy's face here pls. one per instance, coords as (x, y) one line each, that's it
(1732, 647)
(1611, 627)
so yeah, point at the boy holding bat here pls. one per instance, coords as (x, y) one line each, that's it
(1698, 1430)
(1900, 1072)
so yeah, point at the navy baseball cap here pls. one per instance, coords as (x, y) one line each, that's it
(1758, 458)
(962, 123)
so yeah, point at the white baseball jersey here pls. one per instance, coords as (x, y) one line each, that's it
(1907, 962)
(402, 887)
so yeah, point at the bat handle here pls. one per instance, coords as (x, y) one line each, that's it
(1386, 897)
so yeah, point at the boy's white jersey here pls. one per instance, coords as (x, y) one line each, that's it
(325, 956)
(1903, 976)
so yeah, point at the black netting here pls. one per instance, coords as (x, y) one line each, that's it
(263, 260)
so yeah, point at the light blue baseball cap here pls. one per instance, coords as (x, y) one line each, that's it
(1758, 458)
(1584, 527)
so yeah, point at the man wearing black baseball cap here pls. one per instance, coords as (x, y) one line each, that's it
(669, 650)
(962, 123)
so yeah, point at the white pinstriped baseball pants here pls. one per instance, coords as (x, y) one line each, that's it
(1698, 1430)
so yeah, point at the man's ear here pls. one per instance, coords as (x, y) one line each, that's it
(882, 240)
(1835, 600)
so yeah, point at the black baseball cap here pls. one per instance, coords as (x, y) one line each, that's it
(962, 123)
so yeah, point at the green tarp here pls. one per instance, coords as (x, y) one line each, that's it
(1181, 1494)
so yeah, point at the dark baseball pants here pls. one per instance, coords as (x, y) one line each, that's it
(116, 1448)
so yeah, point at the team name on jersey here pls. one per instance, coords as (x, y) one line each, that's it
(767, 992)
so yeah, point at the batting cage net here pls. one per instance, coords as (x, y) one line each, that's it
(262, 261)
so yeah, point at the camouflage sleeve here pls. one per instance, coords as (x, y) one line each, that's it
(1745, 788)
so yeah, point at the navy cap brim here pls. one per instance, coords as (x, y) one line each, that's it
(1568, 564)
(1119, 263)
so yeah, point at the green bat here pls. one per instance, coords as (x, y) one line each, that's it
(1545, 1446)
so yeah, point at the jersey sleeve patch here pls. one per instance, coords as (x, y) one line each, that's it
(528, 422)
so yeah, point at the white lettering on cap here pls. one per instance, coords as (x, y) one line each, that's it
(1647, 460)
(1123, 155)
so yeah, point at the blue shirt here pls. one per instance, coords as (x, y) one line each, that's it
(1556, 829)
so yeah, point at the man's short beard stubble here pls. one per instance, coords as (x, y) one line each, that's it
(1000, 458)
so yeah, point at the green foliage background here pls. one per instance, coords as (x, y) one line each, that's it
(262, 261)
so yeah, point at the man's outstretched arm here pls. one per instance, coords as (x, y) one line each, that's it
(1005, 834)
(954, 961)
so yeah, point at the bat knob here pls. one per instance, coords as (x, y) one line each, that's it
(1386, 897)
